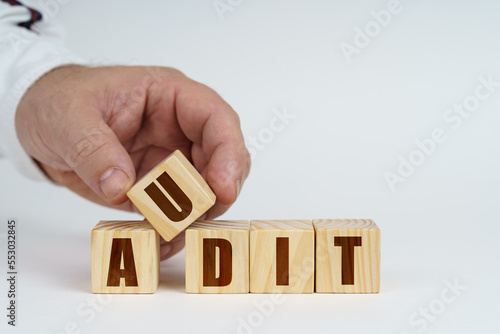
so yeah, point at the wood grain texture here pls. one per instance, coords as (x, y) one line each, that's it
(270, 239)
(332, 269)
(185, 199)
(202, 267)
(143, 261)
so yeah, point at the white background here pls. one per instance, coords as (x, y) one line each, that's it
(352, 122)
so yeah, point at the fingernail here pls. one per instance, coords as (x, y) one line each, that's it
(237, 184)
(165, 250)
(112, 182)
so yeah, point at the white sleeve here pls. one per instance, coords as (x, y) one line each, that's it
(30, 46)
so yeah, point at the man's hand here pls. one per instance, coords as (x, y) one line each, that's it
(97, 130)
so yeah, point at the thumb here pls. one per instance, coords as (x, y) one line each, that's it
(91, 148)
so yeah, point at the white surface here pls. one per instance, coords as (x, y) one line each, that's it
(352, 122)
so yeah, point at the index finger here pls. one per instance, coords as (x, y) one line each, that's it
(218, 149)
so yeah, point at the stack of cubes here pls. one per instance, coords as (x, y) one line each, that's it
(238, 256)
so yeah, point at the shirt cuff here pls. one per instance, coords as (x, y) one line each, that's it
(38, 58)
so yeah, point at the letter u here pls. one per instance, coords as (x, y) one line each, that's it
(164, 203)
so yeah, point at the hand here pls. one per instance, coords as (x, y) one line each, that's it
(97, 130)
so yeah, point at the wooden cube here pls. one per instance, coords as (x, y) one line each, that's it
(281, 256)
(172, 195)
(347, 256)
(125, 257)
(217, 257)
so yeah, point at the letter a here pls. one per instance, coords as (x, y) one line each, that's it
(122, 247)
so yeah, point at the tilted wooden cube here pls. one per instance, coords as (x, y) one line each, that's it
(125, 257)
(347, 256)
(217, 257)
(172, 195)
(281, 256)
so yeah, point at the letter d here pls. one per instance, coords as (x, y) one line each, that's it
(383, 17)
(266, 307)
(405, 169)
(361, 40)
(427, 146)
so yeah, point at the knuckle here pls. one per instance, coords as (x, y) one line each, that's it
(236, 117)
(91, 141)
(160, 72)
(62, 177)
(174, 71)
(248, 159)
